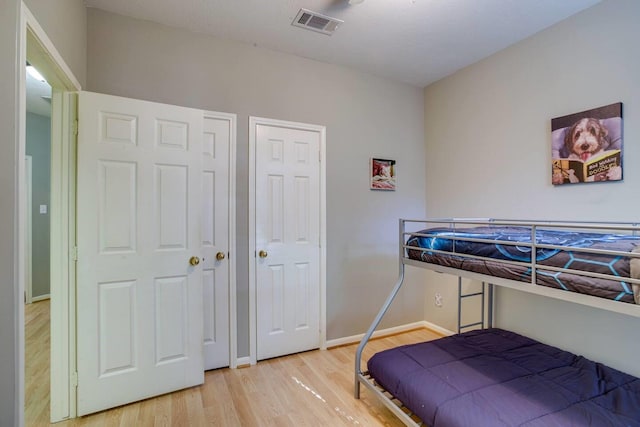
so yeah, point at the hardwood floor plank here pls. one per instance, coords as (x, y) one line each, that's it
(236, 380)
(314, 388)
(146, 411)
(193, 406)
(129, 416)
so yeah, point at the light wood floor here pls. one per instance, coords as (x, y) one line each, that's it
(307, 389)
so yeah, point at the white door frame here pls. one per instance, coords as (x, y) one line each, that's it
(28, 237)
(44, 56)
(253, 123)
(233, 318)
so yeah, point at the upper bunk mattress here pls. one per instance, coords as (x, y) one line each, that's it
(494, 378)
(618, 266)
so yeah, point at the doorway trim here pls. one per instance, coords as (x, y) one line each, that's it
(36, 46)
(28, 242)
(253, 123)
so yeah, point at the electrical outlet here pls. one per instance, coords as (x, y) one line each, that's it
(438, 299)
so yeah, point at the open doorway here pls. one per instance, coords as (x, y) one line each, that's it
(37, 245)
(38, 149)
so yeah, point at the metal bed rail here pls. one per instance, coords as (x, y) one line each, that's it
(593, 225)
(359, 374)
(487, 288)
(391, 402)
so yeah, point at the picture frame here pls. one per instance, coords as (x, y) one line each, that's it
(587, 146)
(382, 174)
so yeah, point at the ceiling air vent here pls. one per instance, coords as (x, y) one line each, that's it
(316, 22)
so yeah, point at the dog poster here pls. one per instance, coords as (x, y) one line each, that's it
(587, 146)
(383, 174)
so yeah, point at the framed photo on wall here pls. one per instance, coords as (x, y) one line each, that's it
(587, 146)
(383, 174)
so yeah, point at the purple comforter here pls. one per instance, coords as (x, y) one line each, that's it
(492, 378)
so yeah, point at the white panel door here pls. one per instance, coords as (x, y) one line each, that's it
(139, 301)
(287, 240)
(215, 240)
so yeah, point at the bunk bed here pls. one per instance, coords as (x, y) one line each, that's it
(492, 377)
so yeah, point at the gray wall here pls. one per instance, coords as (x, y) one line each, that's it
(65, 22)
(488, 155)
(39, 148)
(9, 318)
(365, 116)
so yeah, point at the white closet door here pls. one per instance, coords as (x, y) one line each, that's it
(215, 240)
(139, 300)
(287, 240)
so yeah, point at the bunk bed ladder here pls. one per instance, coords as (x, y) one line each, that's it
(486, 295)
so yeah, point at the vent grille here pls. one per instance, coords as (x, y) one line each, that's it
(304, 18)
(316, 22)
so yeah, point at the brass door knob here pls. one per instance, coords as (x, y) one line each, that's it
(194, 260)
(220, 256)
(262, 254)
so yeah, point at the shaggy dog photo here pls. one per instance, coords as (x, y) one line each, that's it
(587, 146)
(587, 137)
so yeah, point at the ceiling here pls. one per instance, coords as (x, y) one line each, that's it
(413, 41)
(38, 96)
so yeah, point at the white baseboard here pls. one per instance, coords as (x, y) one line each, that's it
(40, 298)
(438, 329)
(243, 362)
(389, 331)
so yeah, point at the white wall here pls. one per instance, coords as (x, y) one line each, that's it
(488, 154)
(365, 116)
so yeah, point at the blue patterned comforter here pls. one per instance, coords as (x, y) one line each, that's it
(617, 266)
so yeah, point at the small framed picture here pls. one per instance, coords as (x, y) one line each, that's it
(383, 174)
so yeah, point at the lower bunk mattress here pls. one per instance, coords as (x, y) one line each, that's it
(570, 257)
(493, 378)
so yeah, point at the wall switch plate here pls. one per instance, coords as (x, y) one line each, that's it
(43, 209)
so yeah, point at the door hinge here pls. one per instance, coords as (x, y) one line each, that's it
(74, 379)
(74, 127)
(74, 253)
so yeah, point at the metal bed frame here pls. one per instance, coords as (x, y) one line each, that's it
(393, 404)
